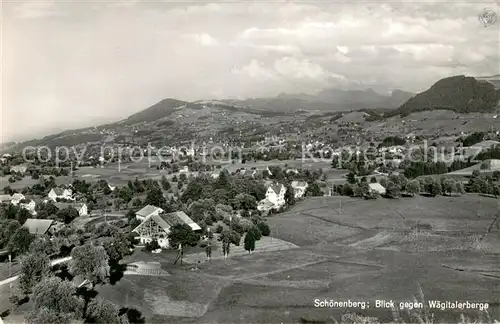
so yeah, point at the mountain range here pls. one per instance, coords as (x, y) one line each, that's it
(460, 94)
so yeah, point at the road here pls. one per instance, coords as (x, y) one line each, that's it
(52, 263)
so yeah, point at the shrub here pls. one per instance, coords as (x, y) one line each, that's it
(264, 228)
(219, 229)
(151, 246)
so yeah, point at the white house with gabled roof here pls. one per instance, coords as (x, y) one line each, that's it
(299, 188)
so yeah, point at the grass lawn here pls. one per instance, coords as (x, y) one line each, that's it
(467, 213)
(183, 294)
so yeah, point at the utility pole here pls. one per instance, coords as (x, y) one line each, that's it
(10, 270)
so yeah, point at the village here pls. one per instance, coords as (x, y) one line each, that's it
(153, 219)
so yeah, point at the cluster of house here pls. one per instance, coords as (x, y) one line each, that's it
(43, 226)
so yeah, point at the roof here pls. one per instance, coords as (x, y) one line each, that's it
(37, 226)
(276, 188)
(77, 206)
(165, 221)
(299, 184)
(486, 144)
(20, 167)
(58, 191)
(148, 210)
(185, 219)
(266, 203)
(377, 187)
(17, 196)
(5, 198)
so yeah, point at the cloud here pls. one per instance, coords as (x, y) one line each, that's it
(203, 39)
(289, 69)
(36, 9)
(255, 70)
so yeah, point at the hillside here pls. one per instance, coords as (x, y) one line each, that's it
(350, 99)
(160, 110)
(458, 93)
(493, 79)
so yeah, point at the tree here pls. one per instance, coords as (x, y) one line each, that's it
(67, 215)
(314, 190)
(20, 241)
(449, 185)
(223, 181)
(249, 241)
(244, 201)
(155, 197)
(164, 183)
(255, 232)
(289, 195)
(34, 267)
(90, 262)
(351, 178)
(373, 180)
(227, 237)
(392, 190)
(118, 247)
(203, 210)
(435, 188)
(153, 245)
(42, 245)
(413, 187)
(347, 190)
(182, 234)
(193, 192)
(264, 228)
(126, 194)
(56, 300)
(103, 311)
(495, 190)
(47, 315)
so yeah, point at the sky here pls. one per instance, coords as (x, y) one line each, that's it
(73, 64)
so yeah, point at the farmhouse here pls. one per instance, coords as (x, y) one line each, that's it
(60, 193)
(38, 226)
(21, 168)
(147, 211)
(377, 188)
(157, 227)
(275, 195)
(29, 206)
(16, 198)
(80, 207)
(299, 188)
